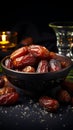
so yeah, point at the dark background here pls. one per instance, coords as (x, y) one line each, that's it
(32, 18)
(37, 13)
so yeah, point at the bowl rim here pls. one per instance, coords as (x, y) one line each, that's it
(35, 73)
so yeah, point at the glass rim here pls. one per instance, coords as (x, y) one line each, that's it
(61, 24)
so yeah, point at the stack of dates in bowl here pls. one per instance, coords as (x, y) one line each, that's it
(33, 68)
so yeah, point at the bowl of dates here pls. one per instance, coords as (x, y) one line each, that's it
(34, 67)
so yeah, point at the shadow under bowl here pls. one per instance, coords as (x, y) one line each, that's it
(36, 82)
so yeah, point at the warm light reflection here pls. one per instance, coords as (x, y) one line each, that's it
(8, 40)
(4, 39)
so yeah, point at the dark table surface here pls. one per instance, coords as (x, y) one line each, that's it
(28, 114)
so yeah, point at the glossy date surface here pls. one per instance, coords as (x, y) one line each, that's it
(54, 65)
(49, 103)
(42, 66)
(39, 51)
(19, 52)
(23, 61)
(35, 56)
(7, 89)
(9, 98)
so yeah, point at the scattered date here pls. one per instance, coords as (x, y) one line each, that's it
(49, 103)
(7, 89)
(9, 98)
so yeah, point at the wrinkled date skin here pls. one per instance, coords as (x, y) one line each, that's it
(23, 61)
(39, 51)
(42, 66)
(19, 52)
(8, 63)
(48, 103)
(28, 69)
(54, 65)
(7, 89)
(9, 98)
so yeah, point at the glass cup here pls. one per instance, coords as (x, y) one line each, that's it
(64, 35)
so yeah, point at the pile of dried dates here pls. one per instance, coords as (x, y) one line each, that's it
(8, 94)
(34, 58)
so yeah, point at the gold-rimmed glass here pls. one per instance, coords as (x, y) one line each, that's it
(64, 35)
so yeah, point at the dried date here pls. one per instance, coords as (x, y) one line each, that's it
(39, 51)
(63, 96)
(49, 103)
(52, 55)
(63, 64)
(19, 52)
(23, 61)
(68, 85)
(9, 98)
(8, 63)
(54, 65)
(7, 89)
(28, 69)
(42, 66)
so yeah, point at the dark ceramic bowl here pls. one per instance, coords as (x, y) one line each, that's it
(36, 82)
